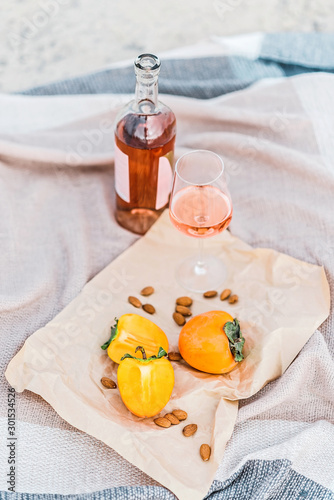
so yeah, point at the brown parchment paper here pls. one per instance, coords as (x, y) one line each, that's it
(281, 303)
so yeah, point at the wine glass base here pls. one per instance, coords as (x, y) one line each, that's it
(208, 275)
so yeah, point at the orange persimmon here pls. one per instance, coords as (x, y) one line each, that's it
(145, 384)
(212, 342)
(131, 330)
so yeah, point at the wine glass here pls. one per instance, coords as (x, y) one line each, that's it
(200, 207)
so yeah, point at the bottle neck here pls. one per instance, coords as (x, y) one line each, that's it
(146, 93)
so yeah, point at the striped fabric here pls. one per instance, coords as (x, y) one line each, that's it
(205, 77)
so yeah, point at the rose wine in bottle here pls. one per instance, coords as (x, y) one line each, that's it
(144, 151)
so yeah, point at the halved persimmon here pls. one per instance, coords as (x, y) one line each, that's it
(131, 330)
(212, 342)
(145, 384)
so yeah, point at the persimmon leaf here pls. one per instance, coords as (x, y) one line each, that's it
(112, 336)
(236, 339)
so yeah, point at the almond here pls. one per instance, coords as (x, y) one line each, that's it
(179, 319)
(180, 414)
(162, 422)
(149, 308)
(233, 299)
(189, 430)
(134, 301)
(174, 356)
(225, 294)
(210, 294)
(185, 311)
(184, 301)
(108, 383)
(172, 418)
(205, 452)
(148, 290)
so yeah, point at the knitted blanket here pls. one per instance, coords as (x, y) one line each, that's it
(57, 231)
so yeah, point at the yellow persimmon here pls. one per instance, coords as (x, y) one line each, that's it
(145, 384)
(212, 342)
(131, 330)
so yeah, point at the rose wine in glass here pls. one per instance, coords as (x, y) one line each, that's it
(200, 207)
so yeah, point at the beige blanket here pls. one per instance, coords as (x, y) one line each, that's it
(57, 231)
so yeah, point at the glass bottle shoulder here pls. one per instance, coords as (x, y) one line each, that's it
(145, 126)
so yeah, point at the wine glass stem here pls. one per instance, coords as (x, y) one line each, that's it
(200, 266)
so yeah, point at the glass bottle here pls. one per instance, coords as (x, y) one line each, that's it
(144, 151)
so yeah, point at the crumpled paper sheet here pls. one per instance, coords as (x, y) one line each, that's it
(281, 303)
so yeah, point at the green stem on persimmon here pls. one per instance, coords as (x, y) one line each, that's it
(142, 350)
(144, 358)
